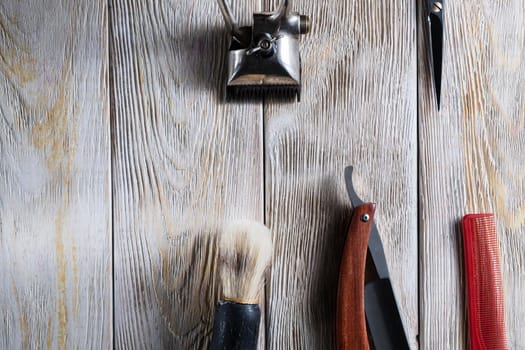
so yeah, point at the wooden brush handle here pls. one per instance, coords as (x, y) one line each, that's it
(351, 322)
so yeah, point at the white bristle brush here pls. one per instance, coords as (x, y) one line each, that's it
(245, 253)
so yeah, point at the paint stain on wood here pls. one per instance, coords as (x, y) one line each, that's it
(474, 156)
(24, 327)
(24, 324)
(17, 62)
(511, 218)
(486, 190)
(56, 136)
(54, 73)
(49, 333)
(51, 134)
(61, 283)
(18, 66)
(74, 268)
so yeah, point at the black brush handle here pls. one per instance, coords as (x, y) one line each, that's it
(236, 326)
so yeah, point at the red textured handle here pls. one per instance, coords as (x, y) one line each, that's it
(350, 321)
(486, 317)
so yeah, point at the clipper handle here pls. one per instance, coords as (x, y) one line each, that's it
(230, 20)
(283, 9)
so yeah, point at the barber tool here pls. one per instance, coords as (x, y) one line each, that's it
(264, 59)
(245, 253)
(486, 316)
(371, 298)
(351, 324)
(434, 11)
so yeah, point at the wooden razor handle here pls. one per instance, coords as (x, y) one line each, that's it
(350, 322)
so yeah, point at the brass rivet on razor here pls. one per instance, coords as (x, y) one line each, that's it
(437, 7)
(264, 58)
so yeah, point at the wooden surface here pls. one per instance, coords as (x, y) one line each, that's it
(55, 198)
(120, 163)
(358, 108)
(472, 159)
(184, 163)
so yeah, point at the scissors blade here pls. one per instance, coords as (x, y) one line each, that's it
(375, 246)
(435, 29)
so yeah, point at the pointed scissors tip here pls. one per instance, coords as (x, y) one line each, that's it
(437, 89)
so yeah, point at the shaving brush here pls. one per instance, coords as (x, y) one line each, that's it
(245, 253)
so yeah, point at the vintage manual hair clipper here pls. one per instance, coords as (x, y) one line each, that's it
(264, 59)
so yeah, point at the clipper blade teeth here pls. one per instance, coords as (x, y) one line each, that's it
(247, 92)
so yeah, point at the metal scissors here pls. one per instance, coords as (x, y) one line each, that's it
(434, 12)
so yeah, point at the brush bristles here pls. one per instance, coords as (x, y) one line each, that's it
(245, 252)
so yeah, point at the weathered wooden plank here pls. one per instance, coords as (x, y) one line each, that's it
(358, 107)
(184, 162)
(55, 214)
(472, 160)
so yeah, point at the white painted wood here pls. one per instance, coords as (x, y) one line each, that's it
(472, 160)
(358, 107)
(184, 163)
(55, 200)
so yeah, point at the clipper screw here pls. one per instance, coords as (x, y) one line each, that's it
(265, 44)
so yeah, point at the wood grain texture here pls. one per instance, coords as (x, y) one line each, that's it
(472, 160)
(55, 205)
(184, 163)
(358, 106)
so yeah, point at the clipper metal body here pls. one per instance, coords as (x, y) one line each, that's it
(264, 59)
